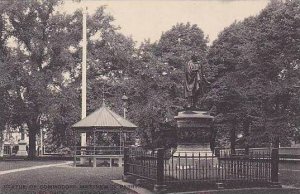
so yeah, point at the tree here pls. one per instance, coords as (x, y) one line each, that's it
(152, 96)
(257, 59)
(5, 103)
(110, 62)
(181, 41)
(41, 58)
(229, 56)
(157, 88)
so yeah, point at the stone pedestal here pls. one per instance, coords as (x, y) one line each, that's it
(195, 133)
(22, 148)
(193, 150)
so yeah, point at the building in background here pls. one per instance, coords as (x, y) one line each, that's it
(11, 139)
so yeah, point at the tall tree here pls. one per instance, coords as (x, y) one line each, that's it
(157, 89)
(41, 58)
(257, 59)
(5, 80)
(110, 62)
(229, 56)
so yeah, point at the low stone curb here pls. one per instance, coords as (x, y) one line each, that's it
(133, 187)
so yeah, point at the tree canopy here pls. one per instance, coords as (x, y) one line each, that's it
(256, 71)
(253, 67)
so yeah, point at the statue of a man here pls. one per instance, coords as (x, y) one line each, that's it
(195, 82)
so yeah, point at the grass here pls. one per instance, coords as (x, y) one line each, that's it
(289, 174)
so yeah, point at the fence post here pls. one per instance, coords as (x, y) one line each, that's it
(126, 174)
(274, 167)
(75, 152)
(217, 151)
(160, 187)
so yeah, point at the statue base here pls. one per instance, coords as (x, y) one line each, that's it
(22, 148)
(194, 133)
(193, 150)
(187, 156)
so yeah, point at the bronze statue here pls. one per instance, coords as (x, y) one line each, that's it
(195, 82)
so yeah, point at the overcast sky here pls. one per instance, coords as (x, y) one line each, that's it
(148, 19)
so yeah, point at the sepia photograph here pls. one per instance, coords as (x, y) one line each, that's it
(150, 96)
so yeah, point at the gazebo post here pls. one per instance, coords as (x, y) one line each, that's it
(94, 158)
(88, 151)
(125, 134)
(94, 142)
(120, 150)
(120, 142)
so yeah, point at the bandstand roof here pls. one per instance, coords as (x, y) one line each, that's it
(104, 119)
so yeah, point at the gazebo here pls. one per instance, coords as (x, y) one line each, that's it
(103, 120)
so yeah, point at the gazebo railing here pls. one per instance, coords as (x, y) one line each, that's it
(98, 150)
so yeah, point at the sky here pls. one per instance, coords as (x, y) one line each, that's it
(147, 19)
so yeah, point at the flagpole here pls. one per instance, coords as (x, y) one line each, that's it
(84, 53)
(83, 69)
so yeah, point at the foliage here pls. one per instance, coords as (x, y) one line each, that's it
(38, 62)
(253, 67)
(157, 90)
(256, 69)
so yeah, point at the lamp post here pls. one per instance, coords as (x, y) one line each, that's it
(125, 100)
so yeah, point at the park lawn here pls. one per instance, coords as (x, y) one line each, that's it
(289, 173)
(290, 178)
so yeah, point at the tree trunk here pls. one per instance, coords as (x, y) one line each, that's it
(275, 160)
(32, 141)
(232, 137)
(1, 142)
(213, 138)
(246, 128)
(32, 144)
(276, 142)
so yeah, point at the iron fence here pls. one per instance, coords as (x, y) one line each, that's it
(141, 163)
(161, 167)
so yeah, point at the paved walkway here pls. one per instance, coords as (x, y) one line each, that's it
(16, 164)
(60, 177)
(32, 168)
(133, 187)
(245, 191)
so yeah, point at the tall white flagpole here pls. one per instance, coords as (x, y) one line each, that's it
(83, 69)
(84, 53)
